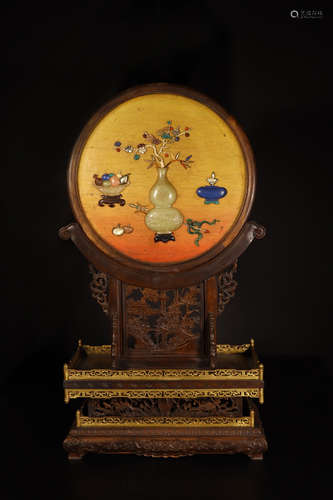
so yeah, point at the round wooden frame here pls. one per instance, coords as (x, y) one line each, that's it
(157, 275)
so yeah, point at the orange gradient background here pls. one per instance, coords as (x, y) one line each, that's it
(213, 147)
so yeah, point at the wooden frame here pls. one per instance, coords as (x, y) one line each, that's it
(124, 268)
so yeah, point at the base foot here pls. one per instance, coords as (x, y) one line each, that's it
(111, 200)
(256, 456)
(75, 457)
(164, 237)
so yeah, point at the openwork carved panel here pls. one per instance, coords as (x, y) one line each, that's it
(200, 407)
(226, 286)
(99, 288)
(163, 321)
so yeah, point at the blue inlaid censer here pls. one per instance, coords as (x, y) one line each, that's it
(212, 193)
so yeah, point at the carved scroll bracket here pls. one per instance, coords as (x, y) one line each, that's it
(212, 339)
(99, 286)
(227, 286)
(259, 232)
(65, 233)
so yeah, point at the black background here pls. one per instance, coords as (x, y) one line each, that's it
(273, 74)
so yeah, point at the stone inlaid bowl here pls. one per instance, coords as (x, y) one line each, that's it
(113, 190)
(212, 194)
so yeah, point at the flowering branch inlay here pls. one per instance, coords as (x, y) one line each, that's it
(159, 147)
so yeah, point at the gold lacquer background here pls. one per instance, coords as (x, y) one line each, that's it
(213, 147)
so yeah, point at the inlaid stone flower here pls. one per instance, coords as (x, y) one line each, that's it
(159, 147)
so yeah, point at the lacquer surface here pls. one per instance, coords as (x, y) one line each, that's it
(213, 147)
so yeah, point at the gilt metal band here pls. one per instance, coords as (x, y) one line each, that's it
(97, 349)
(232, 349)
(261, 395)
(172, 374)
(161, 393)
(166, 421)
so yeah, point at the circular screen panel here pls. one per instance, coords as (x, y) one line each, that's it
(162, 178)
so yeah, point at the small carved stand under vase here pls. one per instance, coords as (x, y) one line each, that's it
(163, 386)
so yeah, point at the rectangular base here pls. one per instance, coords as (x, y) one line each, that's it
(167, 441)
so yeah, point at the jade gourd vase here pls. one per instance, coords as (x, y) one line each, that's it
(163, 218)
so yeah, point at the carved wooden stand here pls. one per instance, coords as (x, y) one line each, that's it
(164, 387)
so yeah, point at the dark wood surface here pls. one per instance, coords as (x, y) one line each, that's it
(166, 445)
(102, 361)
(162, 384)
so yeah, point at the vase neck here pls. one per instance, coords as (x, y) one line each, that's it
(162, 172)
